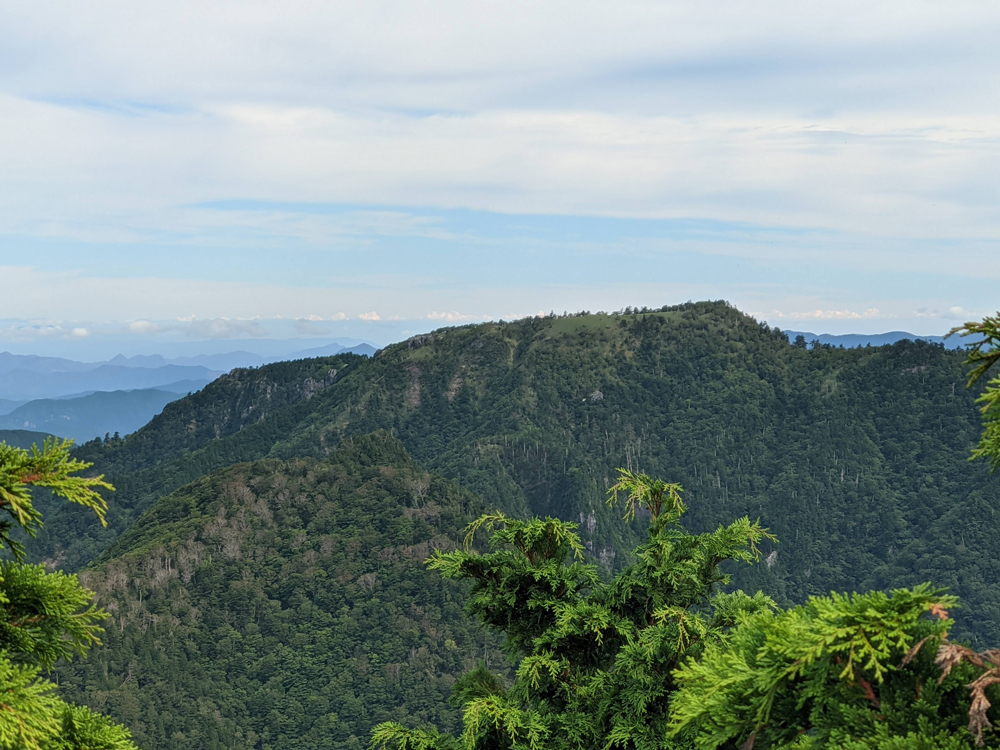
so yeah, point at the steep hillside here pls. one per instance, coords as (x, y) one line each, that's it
(284, 605)
(856, 458)
(232, 402)
(238, 417)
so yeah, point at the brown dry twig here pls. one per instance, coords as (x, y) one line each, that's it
(978, 720)
(914, 650)
(950, 655)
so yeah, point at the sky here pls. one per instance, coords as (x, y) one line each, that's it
(207, 171)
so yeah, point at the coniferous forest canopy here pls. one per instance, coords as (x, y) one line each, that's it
(263, 569)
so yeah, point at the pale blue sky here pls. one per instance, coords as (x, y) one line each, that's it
(182, 170)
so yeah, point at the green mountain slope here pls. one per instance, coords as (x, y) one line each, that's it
(232, 402)
(284, 605)
(855, 458)
(236, 418)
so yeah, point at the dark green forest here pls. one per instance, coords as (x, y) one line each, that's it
(284, 604)
(856, 460)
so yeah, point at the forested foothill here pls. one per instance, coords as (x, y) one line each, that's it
(284, 604)
(262, 562)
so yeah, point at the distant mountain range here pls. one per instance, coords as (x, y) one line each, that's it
(231, 360)
(27, 377)
(22, 438)
(84, 400)
(852, 340)
(94, 415)
(93, 352)
(25, 385)
(226, 361)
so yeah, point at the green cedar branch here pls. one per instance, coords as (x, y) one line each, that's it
(52, 468)
(983, 355)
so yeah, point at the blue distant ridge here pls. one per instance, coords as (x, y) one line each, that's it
(852, 340)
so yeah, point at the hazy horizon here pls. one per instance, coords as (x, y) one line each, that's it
(101, 349)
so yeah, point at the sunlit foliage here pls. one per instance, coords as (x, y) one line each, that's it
(44, 616)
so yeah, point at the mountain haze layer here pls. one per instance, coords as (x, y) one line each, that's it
(24, 377)
(86, 417)
(22, 384)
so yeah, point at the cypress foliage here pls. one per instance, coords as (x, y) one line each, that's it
(852, 672)
(44, 616)
(658, 659)
(594, 659)
(983, 354)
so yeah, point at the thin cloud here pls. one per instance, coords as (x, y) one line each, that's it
(144, 327)
(223, 328)
(871, 312)
(959, 313)
(22, 331)
(868, 314)
(451, 317)
(308, 327)
(192, 327)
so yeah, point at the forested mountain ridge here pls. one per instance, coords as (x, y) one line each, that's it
(284, 605)
(233, 401)
(236, 418)
(857, 459)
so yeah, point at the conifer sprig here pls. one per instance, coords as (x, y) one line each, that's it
(781, 675)
(593, 657)
(45, 616)
(983, 355)
(52, 468)
(642, 491)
